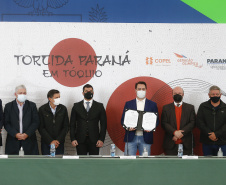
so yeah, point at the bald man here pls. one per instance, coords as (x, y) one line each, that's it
(178, 120)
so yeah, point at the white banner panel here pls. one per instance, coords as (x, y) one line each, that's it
(106, 56)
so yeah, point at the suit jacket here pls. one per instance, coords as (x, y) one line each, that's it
(30, 124)
(1, 121)
(169, 124)
(85, 123)
(150, 106)
(53, 127)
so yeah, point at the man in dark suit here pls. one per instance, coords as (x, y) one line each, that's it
(86, 115)
(137, 138)
(178, 120)
(54, 123)
(1, 122)
(21, 121)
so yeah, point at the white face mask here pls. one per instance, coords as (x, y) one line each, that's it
(21, 98)
(56, 101)
(141, 94)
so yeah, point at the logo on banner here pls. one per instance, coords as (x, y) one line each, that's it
(187, 61)
(42, 11)
(158, 61)
(98, 14)
(73, 62)
(218, 64)
(48, 11)
(39, 6)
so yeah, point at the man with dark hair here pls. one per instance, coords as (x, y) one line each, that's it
(21, 121)
(141, 83)
(139, 139)
(178, 120)
(54, 123)
(86, 116)
(211, 120)
(87, 86)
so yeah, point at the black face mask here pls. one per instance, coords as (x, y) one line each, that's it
(215, 99)
(177, 98)
(88, 95)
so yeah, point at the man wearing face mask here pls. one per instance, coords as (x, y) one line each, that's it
(21, 121)
(137, 139)
(54, 123)
(178, 120)
(211, 120)
(88, 124)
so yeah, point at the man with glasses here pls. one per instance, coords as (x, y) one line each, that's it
(211, 120)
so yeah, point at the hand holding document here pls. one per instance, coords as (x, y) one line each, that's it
(131, 118)
(149, 121)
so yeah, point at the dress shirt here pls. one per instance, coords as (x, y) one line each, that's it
(90, 103)
(178, 103)
(53, 110)
(140, 106)
(20, 107)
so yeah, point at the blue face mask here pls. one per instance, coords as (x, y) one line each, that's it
(22, 98)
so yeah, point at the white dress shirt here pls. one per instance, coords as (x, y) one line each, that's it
(178, 103)
(90, 103)
(53, 110)
(20, 107)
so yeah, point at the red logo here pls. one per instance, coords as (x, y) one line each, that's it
(67, 64)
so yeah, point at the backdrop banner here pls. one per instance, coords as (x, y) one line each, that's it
(112, 57)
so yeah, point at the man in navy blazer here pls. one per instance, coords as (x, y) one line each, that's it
(134, 138)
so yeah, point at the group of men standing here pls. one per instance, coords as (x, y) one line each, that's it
(88, 123)
(21, 119)
(178, 120)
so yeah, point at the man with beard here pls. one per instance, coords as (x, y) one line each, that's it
(178, 120)
(86, 134)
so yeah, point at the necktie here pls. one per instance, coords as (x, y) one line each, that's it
(87, 107)
(178, 105)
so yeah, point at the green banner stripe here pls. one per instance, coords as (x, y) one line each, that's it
(213, 9)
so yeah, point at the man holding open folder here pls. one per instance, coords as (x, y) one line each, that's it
(137, 138)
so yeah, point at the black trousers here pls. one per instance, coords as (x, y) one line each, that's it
(46, 149)
(87, 148)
